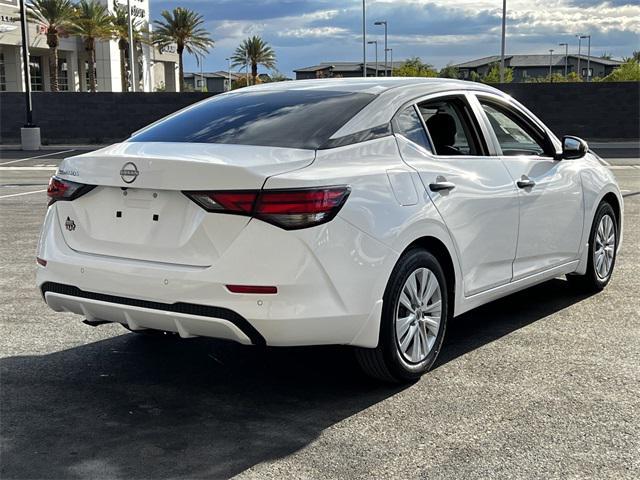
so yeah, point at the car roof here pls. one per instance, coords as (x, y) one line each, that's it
(391, 93)
(374, 85)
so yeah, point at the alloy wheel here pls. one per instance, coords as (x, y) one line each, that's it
(605, 246)
(418, 315)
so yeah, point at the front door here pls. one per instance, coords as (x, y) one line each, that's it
(550, 191)
(472, 191)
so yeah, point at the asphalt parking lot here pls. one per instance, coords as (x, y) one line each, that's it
(542, 384)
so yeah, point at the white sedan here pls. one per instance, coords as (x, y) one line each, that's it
(363, 212)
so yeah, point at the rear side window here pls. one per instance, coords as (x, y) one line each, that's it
(450, 127)
(408, 124)
(276, 118)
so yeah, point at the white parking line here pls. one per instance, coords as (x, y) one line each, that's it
(37, 156)
(24, 193)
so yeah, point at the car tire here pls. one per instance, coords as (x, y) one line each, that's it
(397, 358)
(602, 252)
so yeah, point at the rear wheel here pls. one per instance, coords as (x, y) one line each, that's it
(413, 323)
(603, 242)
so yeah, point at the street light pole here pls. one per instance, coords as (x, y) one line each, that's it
(25, 62)
(375, 42)
(247, 72)
(579, 53)
(132, 60)
(364, 39)
(504, 36)
(384, 22)
(228, 59)
(588, 57)
(566, 58)
(550, 63)
(391, 52)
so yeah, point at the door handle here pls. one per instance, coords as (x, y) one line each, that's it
(525, 182)
(443, 185)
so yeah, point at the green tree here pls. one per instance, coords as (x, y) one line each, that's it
(449, 72)
(629, 71)
(120, 21)
(56, 17)
(185, 29)
(493, 76)
(92, 23)
(257, 52)
(415, 67)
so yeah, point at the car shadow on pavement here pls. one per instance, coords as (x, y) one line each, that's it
(135, 406)
(494, 320)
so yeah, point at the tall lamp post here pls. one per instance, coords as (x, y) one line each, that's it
(391, 52)
(504, 37)
(550, 63)
(30, 133)
(375, 42)
(579, 53)
(364, 39)
(132, 58)
(566, 57)
(228, 59)
(588, 56)
(384, 22)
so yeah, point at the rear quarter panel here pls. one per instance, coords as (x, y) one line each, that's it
(387, 224)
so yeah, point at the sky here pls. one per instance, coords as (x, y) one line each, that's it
(304, 33)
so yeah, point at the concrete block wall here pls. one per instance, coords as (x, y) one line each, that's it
(594, 111)
(82, 117)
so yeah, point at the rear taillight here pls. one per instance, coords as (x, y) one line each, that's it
(289, 209)
(60, 189)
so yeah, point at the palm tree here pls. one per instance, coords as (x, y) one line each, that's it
(92, 23)
(182, 27)
(120, 21)
(257, 52)
(56, 17)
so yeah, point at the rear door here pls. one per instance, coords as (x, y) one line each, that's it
(550, 191)
(472, 190)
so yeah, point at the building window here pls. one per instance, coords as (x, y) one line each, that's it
(3, 74)
(525, 74)
(465, 74)
(584, 72)
(199, 83)
(63, 75)
(35, 71)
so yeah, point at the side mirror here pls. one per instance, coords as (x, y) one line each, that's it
(573, 147)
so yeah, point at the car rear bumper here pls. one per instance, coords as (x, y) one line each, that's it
(188, 320)
(328, 292)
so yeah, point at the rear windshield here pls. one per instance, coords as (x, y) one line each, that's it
(290, 118)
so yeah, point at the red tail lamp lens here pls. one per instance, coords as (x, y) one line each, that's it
(289, 209)
(60, 189)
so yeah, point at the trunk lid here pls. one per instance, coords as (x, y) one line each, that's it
(138, 211)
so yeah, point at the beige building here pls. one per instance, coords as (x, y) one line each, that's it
(156, 70)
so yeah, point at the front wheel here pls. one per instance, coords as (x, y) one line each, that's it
(603, 243)
(413, 323)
